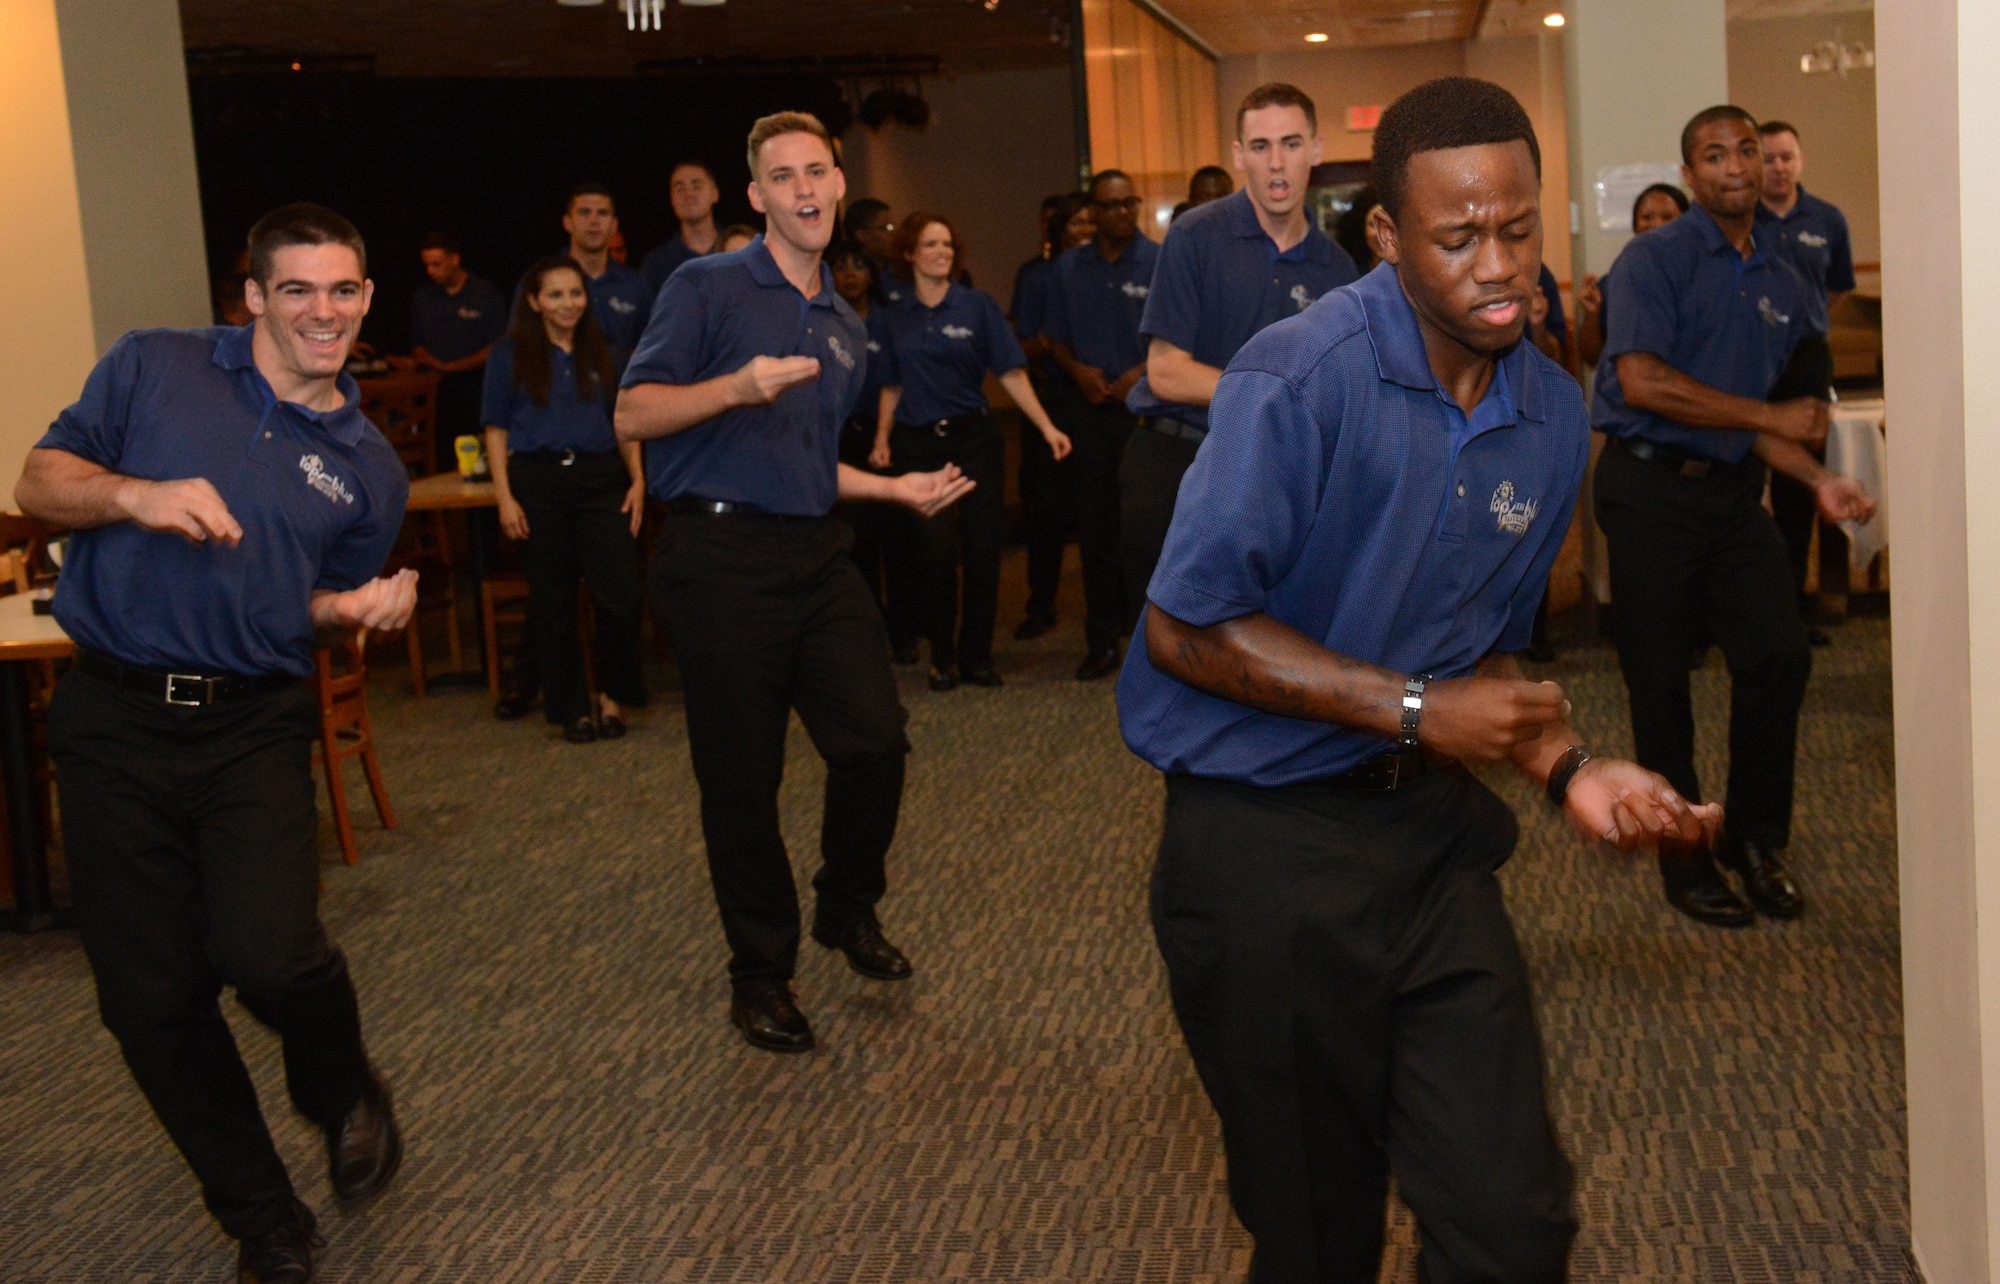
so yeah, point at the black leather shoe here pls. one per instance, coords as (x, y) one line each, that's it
(1710, 901)
(511, 707)
(610, 727)
(769, 1019)
(283, 1254)
(985, 677)
(944, 679)
(365, 1149)
(582, 731)
(1033, 627)
(1765, 879)
(867, 951)
(1100, 662)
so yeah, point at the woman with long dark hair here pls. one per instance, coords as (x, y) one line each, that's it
(943, 340)
(570, 492)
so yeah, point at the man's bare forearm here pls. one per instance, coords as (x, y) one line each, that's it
(649, 410)
(1256, 661)
(69, 490)
(1650, 384)
(1535, 758)
(1176, 376)
(857, 483)
(1791, 459)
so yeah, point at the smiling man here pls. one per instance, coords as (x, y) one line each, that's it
(231, 507)
(747, 372)
(1358, 550)
(1228, 268)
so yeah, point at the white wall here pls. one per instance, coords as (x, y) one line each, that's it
(996, 144)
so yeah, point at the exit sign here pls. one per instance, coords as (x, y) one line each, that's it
(1362, 119)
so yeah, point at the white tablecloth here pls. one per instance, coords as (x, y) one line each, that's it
(1857, 447)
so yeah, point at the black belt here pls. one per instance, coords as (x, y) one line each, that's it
(729, 508)
(564, 457)
(946, 427)
(1678, 461)
(1175, 428)
(1385, 772)
(189, 690)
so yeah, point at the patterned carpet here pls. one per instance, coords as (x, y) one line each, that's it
(541, 978)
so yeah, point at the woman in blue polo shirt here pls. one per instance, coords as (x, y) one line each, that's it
(941, 342)
(570, 492)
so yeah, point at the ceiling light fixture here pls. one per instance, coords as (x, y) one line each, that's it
(1316, 37)
(1837, 56)
(1553, 20)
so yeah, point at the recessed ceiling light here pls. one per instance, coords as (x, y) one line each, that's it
(1553, 20)
(1316, 38)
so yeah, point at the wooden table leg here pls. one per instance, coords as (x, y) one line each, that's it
(34, 909)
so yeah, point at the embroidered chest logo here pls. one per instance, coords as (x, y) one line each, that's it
(840, 352)
(873, 346)
(623, 307)
(956, 331)
(1813, 239)
(469, 314)
(1302, 296)
(323, 481)
(1769, 311)
(1512, 516)
(1133, 290)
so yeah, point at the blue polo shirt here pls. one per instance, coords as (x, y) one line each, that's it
(1341, 492)
(715, 314)
(939, 356)
(1099, 303)
(1686, 295)
(568, 422)
(1220, 280)
(1813, 238)
(1034, 298)
(451, 327)
(868, 404)
(661, 260)
(1558, 323)
(621, 302)
(319, 497)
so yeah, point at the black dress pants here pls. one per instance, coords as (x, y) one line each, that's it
(1149, 480)
(1808, 374)
(1699, 557)
(193, 863)
(1048, 500)
(576, 533)
(966, 534)
(1098, 444)
(1345, 974)
(767, 615)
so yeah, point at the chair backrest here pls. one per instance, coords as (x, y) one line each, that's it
(338, 674)
(403, 404)
(26, 539)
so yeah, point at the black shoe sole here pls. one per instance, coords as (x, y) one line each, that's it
(762, 1044)
(380, 1184)
(1733, 922)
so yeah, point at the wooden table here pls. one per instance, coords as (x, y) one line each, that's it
(451, 491)
(24, 639)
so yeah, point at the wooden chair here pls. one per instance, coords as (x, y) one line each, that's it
(24, 557)
(345, 732)
(504, 597)
(403, 404)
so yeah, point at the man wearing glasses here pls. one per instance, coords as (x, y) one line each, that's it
(1101, 291)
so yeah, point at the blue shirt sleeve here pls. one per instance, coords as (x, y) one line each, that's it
(670, 350)
(1645, 320)
(1056, 324)
(1173, 309)
(1840, 257)
(496, 401)
(1247, 504)
(94, 428)
(495, 312)
(1003, 350)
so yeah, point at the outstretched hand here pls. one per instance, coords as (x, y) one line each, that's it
(931, 493)
(1843, 499)
(383, 604)
(762, 380)
(1482, 719)
(1627, 806)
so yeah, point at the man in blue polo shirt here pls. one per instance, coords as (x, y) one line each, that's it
(692, 189)
(455, 317)
(1093, 330)
(1812, 235)
(749, 368)
(1228, 268)
(232, 508)
(1709, 312)
(619, 296)
(1358, 549)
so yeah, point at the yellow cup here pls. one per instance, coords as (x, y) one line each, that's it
(469, 452)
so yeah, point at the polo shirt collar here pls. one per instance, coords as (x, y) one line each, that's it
(345, 422)
(1399, 345)
(764, 271)
(1242, 216)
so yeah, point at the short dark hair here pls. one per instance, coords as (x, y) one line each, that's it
(442, 241)
(1212, 173)
(589, 189)
(300, 223)
(1277, 94)
(1103, 176)
(690, 163)
(1771, 127)
(865, 209)
(849, 251)
(1052, 200)
(1708, 116)
(1453, 111)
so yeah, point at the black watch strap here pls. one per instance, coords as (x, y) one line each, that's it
(1565, 771)
(1413, 708)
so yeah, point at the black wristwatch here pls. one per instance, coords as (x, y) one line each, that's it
(1413, 709)
(1565, 771)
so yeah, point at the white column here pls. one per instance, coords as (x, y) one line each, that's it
(1936, 104)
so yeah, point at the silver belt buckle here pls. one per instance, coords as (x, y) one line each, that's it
(568, 457)
(1395, 757)
(195, 703)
